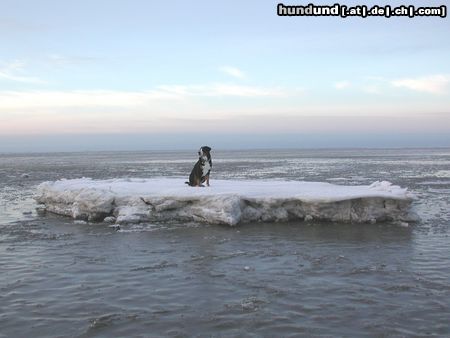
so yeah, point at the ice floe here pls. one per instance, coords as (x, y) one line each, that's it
(224, 202)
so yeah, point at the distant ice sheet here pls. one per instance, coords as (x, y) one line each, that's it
(224, 202)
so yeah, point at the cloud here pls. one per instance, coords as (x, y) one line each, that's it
(23, 100)
(342, 85)
(226, 89)
(161, 108)
(246, 91)
(435, 84)
(60, 60)
(13, 71)
(233, 71)
(371, 89)
(78, 98)
(23, 79)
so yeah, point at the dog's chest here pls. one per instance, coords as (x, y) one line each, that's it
(206, 168)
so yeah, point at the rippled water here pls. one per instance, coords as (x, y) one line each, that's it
(65, 278)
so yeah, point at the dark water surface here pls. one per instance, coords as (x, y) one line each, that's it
(63, 278)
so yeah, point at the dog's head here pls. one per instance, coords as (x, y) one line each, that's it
(204, 152)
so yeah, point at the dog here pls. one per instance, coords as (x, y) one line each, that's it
(200, 172)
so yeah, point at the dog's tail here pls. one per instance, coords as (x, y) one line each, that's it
(187, 183)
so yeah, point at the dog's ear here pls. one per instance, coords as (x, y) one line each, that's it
(206, 148)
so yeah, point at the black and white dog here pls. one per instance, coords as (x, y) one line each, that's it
(202, 168)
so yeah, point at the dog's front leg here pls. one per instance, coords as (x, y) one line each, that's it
(207, 180)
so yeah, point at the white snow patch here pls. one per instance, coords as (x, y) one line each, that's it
(225, 202)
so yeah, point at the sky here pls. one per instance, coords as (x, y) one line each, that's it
(143, 74)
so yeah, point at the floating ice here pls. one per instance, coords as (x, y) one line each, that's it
(225, 202)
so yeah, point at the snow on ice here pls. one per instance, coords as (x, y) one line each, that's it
(225, 202)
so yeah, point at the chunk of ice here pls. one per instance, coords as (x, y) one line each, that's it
(224, 202)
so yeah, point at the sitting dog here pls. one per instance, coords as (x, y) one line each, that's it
(202, 168)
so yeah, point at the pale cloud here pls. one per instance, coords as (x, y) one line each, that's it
(435, 84)
(370, 85)
(14, 71)
(155, 110)
(275, 122)
(23, 79)
(22, 100)
(224, 89)
(62, 99)
(374, 85)
(342, 85)
(247, 91)
(233, 71)
(61, 60)
(223, 107)
(375, 78)
(371, 89)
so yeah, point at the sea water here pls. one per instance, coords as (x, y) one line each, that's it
(65, 278)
